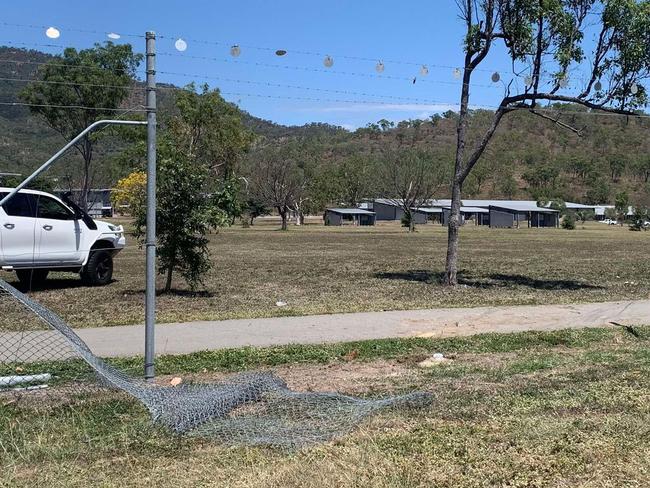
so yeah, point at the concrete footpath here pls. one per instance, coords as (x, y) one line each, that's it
(183, 338)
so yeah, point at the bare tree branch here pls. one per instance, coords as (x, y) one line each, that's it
(557, 121)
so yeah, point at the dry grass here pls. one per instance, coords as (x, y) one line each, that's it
(318, 269)
(520, 410)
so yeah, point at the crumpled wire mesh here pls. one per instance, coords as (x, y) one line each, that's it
(254, 408)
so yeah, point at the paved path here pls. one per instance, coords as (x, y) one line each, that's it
(189, 337)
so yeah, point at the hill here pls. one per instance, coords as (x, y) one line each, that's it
(527, 156)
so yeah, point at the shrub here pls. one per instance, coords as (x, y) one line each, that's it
(569, 222)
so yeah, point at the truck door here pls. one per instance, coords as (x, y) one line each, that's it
(59, 235)
(17, 230)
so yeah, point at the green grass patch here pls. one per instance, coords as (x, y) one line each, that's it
(240, 359)
(565, 408)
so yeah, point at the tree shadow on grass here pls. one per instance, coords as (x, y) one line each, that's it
(417, 275)
(543, 284)
(174, 292)
(495, 280)
(52, 284)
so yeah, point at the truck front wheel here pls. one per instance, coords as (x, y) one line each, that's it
(99, 269)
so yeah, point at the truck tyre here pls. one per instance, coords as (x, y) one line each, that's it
(32, 277)
(98, 270)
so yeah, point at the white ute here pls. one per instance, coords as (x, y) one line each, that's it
(40, 233)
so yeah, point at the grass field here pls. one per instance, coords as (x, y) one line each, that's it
(317, 269)
(567, 408)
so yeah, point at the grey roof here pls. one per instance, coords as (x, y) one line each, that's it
(473, 209)
(437, 210)
(395, 202)
(350, 211)
(530, 204)
(523, 207)
(600, 209)
(579, 206)
(519, 205)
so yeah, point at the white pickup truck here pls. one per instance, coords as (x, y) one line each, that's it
(40, 233)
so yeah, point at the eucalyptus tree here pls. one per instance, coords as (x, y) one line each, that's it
(409, 178)
(78, 88)
(546, 41)
(277, 180)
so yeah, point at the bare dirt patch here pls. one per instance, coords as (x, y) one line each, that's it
(353, 377)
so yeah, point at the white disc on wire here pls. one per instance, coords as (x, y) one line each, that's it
(52, 33)
(180, 45)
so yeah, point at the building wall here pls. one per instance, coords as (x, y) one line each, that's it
(384, 211)
(420, 218)
(483, 219)
(332, 218)
(446, 213)
(366, 220)
(543, 220)
(501, 219)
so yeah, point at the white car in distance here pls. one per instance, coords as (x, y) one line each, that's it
(40, 233)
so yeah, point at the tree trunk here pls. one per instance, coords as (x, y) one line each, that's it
(252, 219)
(454, 215)
(452, 235)
(412, 223)
(283, 215)
(168, 283)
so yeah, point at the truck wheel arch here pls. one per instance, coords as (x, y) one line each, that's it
(102, 244)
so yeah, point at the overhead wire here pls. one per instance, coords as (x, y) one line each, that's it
(321, 70)
(228, 80)
(72, 83)
(412, 79)
(70, 29)
(68, 66)
(413, 100)
(75, 107)
(247, 46)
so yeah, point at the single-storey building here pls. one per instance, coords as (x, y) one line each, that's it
(385, 208)
(422, 215)
(351, 216)
(507, 213)
(480, 216)
(599, 211)
(513, 215)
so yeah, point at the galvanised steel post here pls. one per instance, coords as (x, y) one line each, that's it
(150, 243)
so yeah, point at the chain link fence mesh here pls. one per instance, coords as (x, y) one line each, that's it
(40, 355)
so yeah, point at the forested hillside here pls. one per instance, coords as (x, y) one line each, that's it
(528, 157)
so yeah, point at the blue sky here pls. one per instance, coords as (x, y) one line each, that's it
(398, 33)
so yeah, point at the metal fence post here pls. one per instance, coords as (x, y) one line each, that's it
(150, 243)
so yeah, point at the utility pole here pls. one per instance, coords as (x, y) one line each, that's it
(150, 242)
